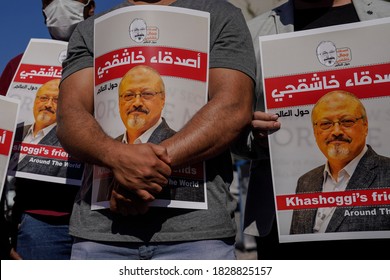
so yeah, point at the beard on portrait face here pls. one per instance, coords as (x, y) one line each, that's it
(44, 117)
(338, 152)
(135, 121)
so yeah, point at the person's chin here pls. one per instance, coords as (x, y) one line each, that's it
(46, 115)
(338, 151)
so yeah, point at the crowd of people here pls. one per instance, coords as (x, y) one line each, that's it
(142, 159)
(39, 226)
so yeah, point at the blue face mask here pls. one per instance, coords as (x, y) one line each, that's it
(62, 17)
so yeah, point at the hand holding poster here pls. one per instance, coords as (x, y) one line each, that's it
(151, 77)
(37, 153)
(330, 161)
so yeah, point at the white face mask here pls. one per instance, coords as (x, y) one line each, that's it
(62, 16)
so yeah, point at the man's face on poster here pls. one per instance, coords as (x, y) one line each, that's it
(326, 53)
(138, 30)
(340, 127)
(141, 99)
(45, 103)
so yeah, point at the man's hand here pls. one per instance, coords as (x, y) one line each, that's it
(264, 124)
(141, 171)
(126, 203)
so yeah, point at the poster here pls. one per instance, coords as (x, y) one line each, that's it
(9, 109)
(37, 153)
(298, 69)
(148, 38)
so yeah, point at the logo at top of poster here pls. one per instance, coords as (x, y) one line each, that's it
(140, 32)
(62, 56)
(329, 55)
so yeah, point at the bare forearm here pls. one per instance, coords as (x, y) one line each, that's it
(83, 138)
(218, 123)
(143, 169)
(77, 129)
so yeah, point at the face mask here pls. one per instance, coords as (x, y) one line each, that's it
(62, 17)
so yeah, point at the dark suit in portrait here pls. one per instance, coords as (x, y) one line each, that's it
(372, 172)
(28, 165)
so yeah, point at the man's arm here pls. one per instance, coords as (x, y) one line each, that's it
(8, 73)
(142, 169)
(217, 124)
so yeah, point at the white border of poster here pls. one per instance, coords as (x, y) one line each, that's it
(294, 78)
(180, 54)
(9, 109)
(45, 160)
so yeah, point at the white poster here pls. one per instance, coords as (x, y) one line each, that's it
(306, 77)
(151, 73)
(9, 109)
(37, 153)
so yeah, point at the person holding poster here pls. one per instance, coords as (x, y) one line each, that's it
(143, 169)
(10, 109)
(40, 214)
(260, 216)
(340, 125)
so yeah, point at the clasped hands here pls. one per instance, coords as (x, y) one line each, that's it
(141, 172)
